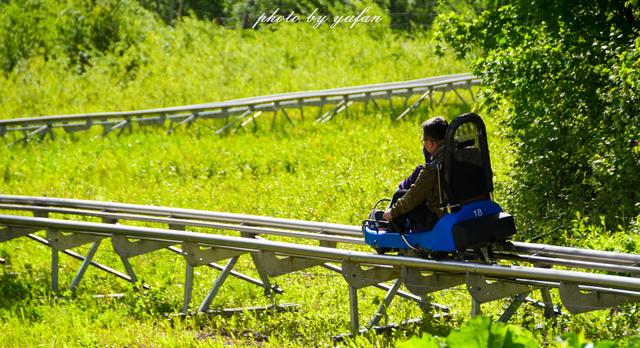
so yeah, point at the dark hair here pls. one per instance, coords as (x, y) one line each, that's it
(434, 128)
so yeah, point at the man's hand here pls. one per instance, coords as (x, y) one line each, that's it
(387, 215)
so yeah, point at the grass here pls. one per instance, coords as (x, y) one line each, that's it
(197, 62)
(331, 173)
(327, 171)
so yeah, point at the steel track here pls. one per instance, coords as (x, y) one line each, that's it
(586, 279)
(240, 112)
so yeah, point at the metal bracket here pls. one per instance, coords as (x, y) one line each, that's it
(197, 255)
(83, 268)
(420, 284)
(284, 111)
(75, 127)
(187, 120)
(152, 121)
(275, 265)
(238, 275)
(127, 248)
(260, 265)
(328, 243)
(549, 310)
(61, 241)
(11, 232)
(357, 277)
(483, 291)
(577, 301)
(389, 95)
(459, 96)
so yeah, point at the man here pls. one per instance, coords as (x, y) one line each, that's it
(420, 204)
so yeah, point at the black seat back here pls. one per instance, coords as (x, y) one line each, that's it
(467, 167)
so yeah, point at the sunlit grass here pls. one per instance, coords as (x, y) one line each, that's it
(332, 172)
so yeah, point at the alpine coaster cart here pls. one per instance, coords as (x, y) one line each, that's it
(472, 220)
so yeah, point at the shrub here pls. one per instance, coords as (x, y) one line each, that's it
(73, 30)
(566, 75)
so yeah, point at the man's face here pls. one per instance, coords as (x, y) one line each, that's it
(430, 145)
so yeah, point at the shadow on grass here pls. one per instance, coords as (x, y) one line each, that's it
(16, 297)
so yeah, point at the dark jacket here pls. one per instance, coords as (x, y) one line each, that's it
(424, 190)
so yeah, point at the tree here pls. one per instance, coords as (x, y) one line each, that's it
(565, 73)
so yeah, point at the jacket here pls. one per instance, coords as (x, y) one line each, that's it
(424, 190)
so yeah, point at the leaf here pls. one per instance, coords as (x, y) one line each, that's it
(474, 333)
(633, 342)
(571, 340)
(481, 332)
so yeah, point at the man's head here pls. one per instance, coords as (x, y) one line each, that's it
(433, 132)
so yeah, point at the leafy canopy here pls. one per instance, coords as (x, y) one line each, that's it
(566, 75)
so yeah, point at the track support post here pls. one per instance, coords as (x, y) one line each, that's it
(549, 311)
(353, 306)
(188, 287)
(476, 308)
(54, 270)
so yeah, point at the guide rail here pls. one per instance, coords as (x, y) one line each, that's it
(586, 279)
(238, 113)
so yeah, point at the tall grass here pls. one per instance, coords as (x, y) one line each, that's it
(199, 62)
(332, 172)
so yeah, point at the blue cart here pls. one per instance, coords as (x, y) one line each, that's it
(472, 220)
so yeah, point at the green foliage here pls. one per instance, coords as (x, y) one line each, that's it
(478, 332)
(304, 172)
(73, 31)
(200, 62)
(481, 332)
(566, 75)
(425, 341)
(572, 340)
(405, 15)
(148, 303)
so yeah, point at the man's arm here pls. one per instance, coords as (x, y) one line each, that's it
(418, 193)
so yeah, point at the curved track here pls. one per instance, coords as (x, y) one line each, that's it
(586, 279)
(240, 112)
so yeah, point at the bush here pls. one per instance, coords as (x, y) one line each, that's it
(73, 30)
(566, 76)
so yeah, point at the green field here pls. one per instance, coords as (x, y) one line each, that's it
(332, 172)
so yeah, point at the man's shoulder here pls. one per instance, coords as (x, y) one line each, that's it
(428, 170)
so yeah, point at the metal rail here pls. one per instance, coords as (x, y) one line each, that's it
(123, 211)
(239, 112)
(580, 291)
